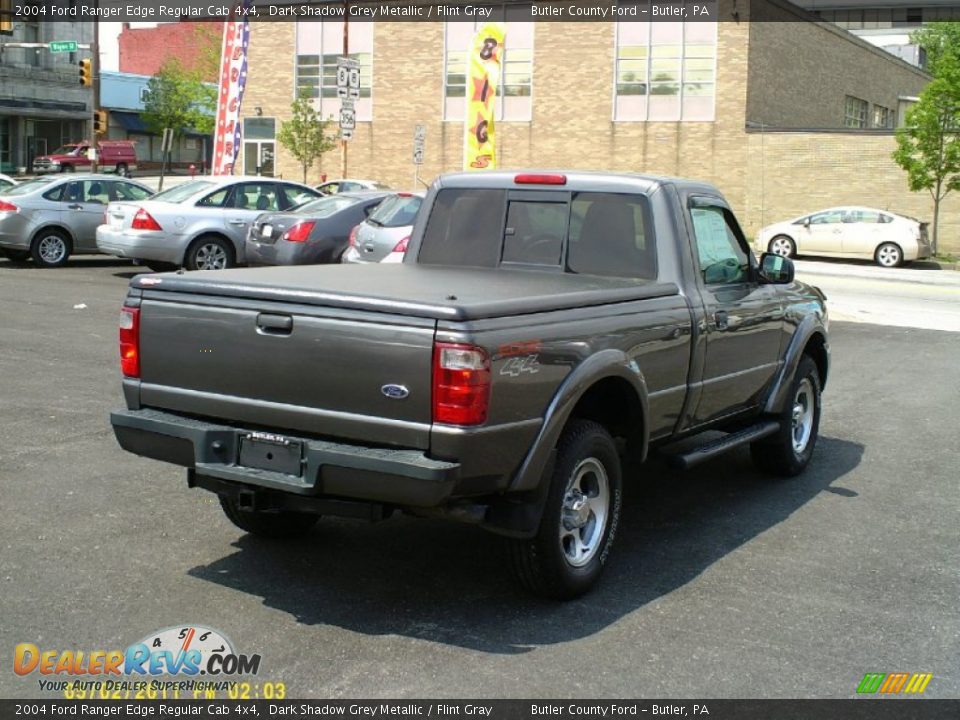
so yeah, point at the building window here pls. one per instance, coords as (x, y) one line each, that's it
(854, 112)
(515, 86)
(665, 71)
(882, 117)
(6, 16)
(319, 44)
(259, 148)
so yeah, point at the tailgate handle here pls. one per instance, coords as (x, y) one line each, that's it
(274, 324)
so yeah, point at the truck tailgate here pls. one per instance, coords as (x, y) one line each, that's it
(285, 366)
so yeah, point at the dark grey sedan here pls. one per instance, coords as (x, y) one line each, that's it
(314, 233)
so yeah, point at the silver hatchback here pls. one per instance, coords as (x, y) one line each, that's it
(383, 236)
(54, 217)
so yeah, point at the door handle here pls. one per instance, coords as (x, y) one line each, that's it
(237, 221)
(721, 320)
(274, 324)
(75, 207)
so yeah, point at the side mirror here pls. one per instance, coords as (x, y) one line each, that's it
(776, 269)
(806, 222)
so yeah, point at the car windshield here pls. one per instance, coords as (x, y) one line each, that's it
(181, 192)
(396, 211)
(28, 187)
(327, 206)
(66, 150)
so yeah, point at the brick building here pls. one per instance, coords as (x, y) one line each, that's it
(143, 51)
(786, 115)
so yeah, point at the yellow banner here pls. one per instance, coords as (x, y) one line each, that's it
(483, 73)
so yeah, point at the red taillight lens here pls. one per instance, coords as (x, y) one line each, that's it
(461, 384)
(299, 232)
(144, 221)
(353, 235)
(130, 341)
(401, 247)
(534, 179)
(7, 207)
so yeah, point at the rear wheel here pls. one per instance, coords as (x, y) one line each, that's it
(122, 170)
(268, 523)
(566, 556)
(17, 255)
(210, 253)
(50, 248)
(783, 246)
(66, 168)
(888, 255)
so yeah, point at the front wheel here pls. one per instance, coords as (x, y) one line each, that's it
(50, 248)
(788, 452)
(268, 523)
(566, 556)
(783, 246)
(888, 255)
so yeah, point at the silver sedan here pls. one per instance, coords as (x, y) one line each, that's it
(53, 217)
(201, 225)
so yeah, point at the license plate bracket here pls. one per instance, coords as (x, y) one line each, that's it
(265, 451)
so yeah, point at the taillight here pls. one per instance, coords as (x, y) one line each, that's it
(540, 179)
(401, 247)
(7, 207)
(144, 221)
(130, 341)
(299, 232)
(353, 235)
(461, 384)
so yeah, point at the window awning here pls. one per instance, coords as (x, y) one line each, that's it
(131, 122)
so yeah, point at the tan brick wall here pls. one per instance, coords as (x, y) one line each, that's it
(791, 174)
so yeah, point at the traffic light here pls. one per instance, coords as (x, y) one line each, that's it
(100, 122)
(86, 72)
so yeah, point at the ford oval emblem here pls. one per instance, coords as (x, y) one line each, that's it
(395, 392)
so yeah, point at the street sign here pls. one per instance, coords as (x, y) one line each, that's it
(348, 78)
(59, 46)
(348, 118)
(419, 136)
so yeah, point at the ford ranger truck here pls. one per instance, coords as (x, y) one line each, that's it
(119, 156)
(543, 327)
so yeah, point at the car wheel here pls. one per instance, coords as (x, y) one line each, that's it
(66, 168)
(888, 255)
(17, 255)
(783, 246)
(566, 556)
(50, 248)
(210, 253)
(788, 452)
(122, 170)
(268, 523)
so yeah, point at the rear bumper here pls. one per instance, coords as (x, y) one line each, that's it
(146, 245)
(328, 469)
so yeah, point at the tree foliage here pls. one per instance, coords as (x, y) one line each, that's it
(928, 146)
(305, 135)
(179, 100)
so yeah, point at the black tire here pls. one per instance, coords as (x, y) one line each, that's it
(67, 168)
(51, 248)
(782, 245)
(203, 248)
(779, 454)
(543, 564)
(269, 523)
(888, 255)
(122, 170)
(17, 255)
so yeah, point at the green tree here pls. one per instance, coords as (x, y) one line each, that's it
(928, 146)
(179, 100)
(305, 134)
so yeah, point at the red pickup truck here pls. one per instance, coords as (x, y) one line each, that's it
(119, 156)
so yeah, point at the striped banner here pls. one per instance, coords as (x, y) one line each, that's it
(233, 80)
(483, 73)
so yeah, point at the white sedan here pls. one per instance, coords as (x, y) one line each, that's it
(849, 232)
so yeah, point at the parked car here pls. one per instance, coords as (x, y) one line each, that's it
(201, 224)
(314, 233)
(886, 238)
(52, 218)
(332, 187)
(119, 156)
(386, 231)
(6, 182)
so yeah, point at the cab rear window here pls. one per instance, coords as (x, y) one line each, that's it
(588, 233)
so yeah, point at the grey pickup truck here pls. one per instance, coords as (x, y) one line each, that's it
(543, 328)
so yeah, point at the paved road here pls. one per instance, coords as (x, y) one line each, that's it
(724, 583)
(912, 296)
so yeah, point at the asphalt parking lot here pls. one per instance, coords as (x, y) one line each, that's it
(724, 583)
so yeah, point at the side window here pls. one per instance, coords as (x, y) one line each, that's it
(870, 216)
(255, 196)
(214, 199)
(722, 259)
(96, 191)
(534, 232)
(127, 191)
(464, 228)
(294, 195)
(826, 218)
(609, 236)
(73, 192)
(56, 194)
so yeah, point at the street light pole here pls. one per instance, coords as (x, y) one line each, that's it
(95, 50)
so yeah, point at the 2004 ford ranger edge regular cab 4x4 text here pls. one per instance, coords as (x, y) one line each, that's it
(541, 326)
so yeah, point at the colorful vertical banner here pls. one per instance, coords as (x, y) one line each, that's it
(483, 73)
(233, 80)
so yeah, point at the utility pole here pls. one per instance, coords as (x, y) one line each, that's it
(346, 53)
(95, 50)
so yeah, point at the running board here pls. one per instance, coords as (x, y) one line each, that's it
(686, 460)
